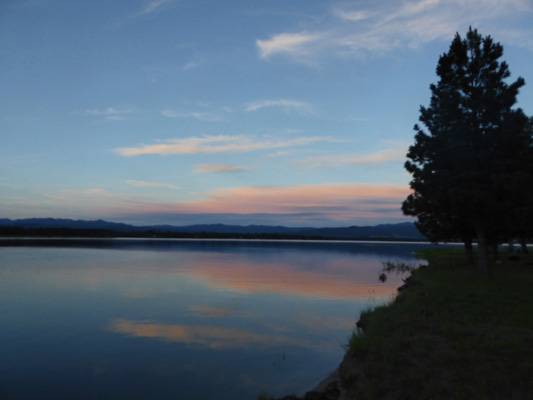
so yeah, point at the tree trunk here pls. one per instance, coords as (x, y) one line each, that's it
(493, 250)
(469, 251)
(523, 245)
(483, 252)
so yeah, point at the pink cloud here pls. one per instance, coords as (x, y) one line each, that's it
(337, 200)
(215, 144)
(310, 205)
(216, 168)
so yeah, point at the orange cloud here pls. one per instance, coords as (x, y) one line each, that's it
(338, 201)
(215, 144)
(325, 204)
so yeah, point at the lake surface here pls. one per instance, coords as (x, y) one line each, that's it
(181, 319)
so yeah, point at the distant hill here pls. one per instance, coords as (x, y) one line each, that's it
(405, 230)
(30, 223)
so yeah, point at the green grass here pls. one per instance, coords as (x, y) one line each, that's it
(452, 334)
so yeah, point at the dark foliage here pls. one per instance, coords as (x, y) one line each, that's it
(472, 161)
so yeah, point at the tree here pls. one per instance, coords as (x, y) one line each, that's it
(521, 222)
(466, 160)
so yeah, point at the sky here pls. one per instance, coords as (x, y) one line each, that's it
(278, 112)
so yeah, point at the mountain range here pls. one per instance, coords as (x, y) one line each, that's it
(404, 230)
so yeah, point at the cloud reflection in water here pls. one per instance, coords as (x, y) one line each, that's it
(207, 336)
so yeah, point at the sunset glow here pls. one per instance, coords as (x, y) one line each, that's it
(181, 112)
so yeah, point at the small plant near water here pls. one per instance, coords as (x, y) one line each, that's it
(397, 267)
(357, 342)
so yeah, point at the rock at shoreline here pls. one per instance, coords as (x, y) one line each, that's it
(331, 392)
(331, 388)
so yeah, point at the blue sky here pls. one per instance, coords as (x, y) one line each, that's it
(296, 113)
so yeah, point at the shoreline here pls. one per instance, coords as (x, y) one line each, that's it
(432, 340)
(332, 387)
(323, 384)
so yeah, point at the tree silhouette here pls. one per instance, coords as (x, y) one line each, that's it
(471, 160)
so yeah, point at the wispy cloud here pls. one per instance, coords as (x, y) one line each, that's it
(179, 114)
(351, 15)
(211, 311)
(154, 5)
(286, 104)
(361, 30)
(201, 115)
(289, 43)
(216, 144)
(190, 65)
(203, 111)
(217, 168)
(110, 113)
(143, 184)
(382, 156)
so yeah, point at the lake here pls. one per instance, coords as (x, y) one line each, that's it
(181, 319)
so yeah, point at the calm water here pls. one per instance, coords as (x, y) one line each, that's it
(175, 319)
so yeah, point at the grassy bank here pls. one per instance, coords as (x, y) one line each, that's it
(451, 334)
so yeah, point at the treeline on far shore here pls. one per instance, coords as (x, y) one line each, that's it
(16, 231)
(54, 232)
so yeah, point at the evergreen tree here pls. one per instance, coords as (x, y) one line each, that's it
(466, 162)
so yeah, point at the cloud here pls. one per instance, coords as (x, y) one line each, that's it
(210, 311)
(332, 204)
(110, 113)
(216, 168)
(154, 5)
(383, 156)
(287, 105)
(190, 65)
(356, 30)
(215, 144)
(151, 184)
(208, 113)
(206, 116)
(326, 202)
(290, 43)
(351, 15)
(304, 198)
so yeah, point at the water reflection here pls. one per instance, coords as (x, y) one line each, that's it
(180, 319)
(206, 336)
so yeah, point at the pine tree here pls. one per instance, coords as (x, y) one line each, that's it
(467, 160)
